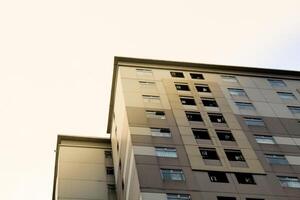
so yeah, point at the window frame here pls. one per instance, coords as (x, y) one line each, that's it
(166, 174)
(211, 153)
(166, 152)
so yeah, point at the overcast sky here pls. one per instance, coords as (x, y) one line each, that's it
(56, 61)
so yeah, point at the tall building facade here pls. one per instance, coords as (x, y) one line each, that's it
(83, 169)
(182, 131)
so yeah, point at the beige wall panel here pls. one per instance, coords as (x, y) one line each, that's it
(82, 189)
(153, 196)
(180, 118)
(184, 130)
(270, 96)
(297, 140)
(254, 94)
(293, 160)
(143, 150)
(284, 140)
(261, 83)
(130, 85)
(281, 111)
(88, 155)
(246, 82)
(85, 171)
(231, 121)
(189, 140)
(134, 100)
(224, 104)
(241, 139)
(249, 154)
(127, 72)
(139, 131)
(225, 92)
(162, 74)
(264, 109)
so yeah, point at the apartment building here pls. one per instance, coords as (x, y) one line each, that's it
(83, 169)
(182, 131)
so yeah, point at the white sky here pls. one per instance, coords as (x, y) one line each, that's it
(56, 60)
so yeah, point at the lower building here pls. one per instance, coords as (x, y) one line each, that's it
(83, 169)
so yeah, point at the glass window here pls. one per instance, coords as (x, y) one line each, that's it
(294, 109)
(216, 118)
(196, 76)
(225, 135)
(245, 178)
(288, 181)
(166, 152)
(202, 88)
(193, 116)
(218, 177)
(151, 99)
(225, 198)
(209, 153)
(209, 102)
(264, 139)
(244, 106)
(172, 174)
(276, 159)
(234, 155)
(229, 78)
(155, 114)
(147, 84)
(178, 197)
(109, 170)
(144, 72)
(187, 101)
(182, 86)
(276, 83)
(200, 133)
(160, 132)
(254, 121)
(177, 74)
(286, 95)
(235, 92)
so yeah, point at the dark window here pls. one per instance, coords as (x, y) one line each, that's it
(178, 197)
(200, 133)
(225, 135)
(234, 155)
(218, 177)
(118, 147)
(187, 101)
(254, 199)
(123, 185)
(120, 164)
(226, 198)
(196, 76)
(254, 121)
(202, 88)
(276, 83)
(209, 153)
(216, 118)
(193, 116)
(294, 109)
(183, 87)
(155, 114)
(107, 154)
(177, 74)
(160, 132)
(244, 178)
(109, 170)
(210, 102)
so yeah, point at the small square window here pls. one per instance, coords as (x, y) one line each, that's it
(196, 76)
(108, 154)
(182, 87)
(225, 135)
(245, 106)
(254, 121)
(264, 139)
(244, 178)
(234, 155)
(209, 153)
(160, 132)
(178, 197)
(226, 198)
(144, 72)
(172, 174)
(218, 177)
(187, 101)
(209, 102)
(200, 133)
(166, 152)
(155, 114)
(276, 159)
(216, 118)
(286, 95)
(294, 109)
(229, 78)
(193, 116)
(202, 88)
(276, 83)
(151, 99)
(109, 170)
(235, 92)
(289, 181)
(177, 74)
